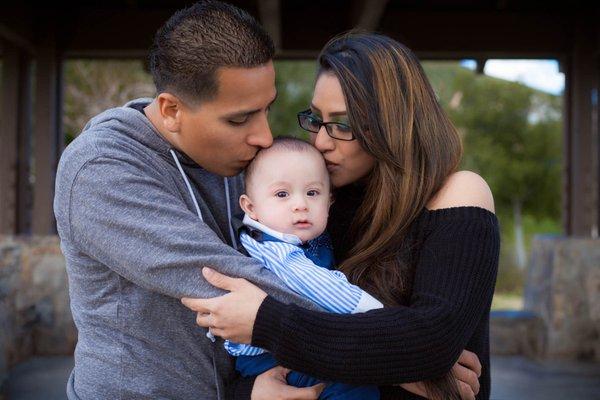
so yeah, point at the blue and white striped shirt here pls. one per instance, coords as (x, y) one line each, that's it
(328, 288)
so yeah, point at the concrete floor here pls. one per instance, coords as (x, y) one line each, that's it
(513, 378)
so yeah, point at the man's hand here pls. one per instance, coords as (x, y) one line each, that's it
(232, 315)
(272, 385)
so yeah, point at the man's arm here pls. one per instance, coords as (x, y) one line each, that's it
(132, 222)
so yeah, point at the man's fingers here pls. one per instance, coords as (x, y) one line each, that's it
(283, 371)
(308, 393)
(465, 391)
(471, 361)
(467, 376)
(219, 280)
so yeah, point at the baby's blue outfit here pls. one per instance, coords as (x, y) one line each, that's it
(286, 255)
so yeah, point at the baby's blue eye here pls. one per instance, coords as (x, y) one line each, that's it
(281, 194)
(312, 193)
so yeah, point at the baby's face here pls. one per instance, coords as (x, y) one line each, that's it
(289, 192)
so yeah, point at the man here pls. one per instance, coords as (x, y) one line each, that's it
(144, 198)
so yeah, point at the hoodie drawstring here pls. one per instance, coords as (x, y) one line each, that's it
(231, 232)
(187, 183)
(189, 187)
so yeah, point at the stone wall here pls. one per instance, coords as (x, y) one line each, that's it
(35, 317)
(563, 288)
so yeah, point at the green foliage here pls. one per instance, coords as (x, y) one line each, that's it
(512, 137)
(519, 159)
(92, 86)
(295, 82)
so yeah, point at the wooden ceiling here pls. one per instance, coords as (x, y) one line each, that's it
(433, 28)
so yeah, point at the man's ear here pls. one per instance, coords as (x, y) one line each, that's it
(170, 108)
(247, 206)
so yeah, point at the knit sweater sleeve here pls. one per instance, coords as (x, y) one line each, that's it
(454, 284)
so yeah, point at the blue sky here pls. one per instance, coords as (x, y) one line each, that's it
(538, 74)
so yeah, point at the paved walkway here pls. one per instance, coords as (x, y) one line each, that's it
(513, 378)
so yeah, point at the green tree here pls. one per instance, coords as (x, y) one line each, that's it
(512, 137)
(295, 81)
(92, 86)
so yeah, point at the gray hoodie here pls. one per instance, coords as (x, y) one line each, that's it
(135, 237)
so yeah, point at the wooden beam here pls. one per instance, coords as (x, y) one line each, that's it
(270, 17)
(9, 35)
(581, 177)
(24, 155)
(46, 134)
(8, 136)
(368, 13)
(14, 152)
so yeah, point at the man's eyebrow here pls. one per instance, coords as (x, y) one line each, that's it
(332, 114)
(244, 113)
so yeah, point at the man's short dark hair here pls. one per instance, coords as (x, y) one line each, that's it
(196, 41)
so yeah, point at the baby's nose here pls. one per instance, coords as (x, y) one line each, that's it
(300, 205)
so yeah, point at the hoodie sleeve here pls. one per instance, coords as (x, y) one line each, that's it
(130, 220)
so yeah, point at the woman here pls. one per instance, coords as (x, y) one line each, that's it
(407, 228)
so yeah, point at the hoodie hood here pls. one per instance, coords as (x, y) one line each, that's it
(131, 121)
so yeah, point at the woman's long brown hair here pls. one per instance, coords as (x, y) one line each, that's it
(396, 118)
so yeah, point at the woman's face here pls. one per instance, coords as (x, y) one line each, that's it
(347, 161)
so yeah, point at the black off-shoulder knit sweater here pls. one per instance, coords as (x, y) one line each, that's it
(456, 253)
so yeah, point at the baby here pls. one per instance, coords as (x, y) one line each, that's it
(286, 206)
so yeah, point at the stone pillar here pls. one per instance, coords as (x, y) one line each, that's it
(35, 316)
(563, 288)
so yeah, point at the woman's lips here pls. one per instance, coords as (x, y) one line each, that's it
(331, 167)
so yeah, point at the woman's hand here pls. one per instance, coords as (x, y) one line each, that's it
(272, 385)
(466, 371)
(232, 315)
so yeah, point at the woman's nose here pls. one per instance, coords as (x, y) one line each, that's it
(322, 141)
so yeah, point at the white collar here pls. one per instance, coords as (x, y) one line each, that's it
(285, 237)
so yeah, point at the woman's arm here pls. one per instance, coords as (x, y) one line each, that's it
(452, 292)
(453, 288)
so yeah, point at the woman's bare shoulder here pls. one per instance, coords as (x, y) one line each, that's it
(463, 189)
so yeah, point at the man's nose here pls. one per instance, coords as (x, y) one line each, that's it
(262, 136)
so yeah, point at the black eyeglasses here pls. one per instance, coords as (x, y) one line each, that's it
(337, 130)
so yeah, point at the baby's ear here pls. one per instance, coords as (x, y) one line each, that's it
(331, 199)
(247, 206)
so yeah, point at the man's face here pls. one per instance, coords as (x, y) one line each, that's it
(223, 134)
(289, 192)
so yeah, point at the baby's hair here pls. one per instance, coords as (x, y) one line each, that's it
(288, 143)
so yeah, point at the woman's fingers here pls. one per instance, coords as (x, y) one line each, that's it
(466, 393)
(204, 320)
(203, 306)
(471, 361)
(466, 376)
(219, 280)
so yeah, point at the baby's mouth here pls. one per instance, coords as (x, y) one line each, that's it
(302, 224)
